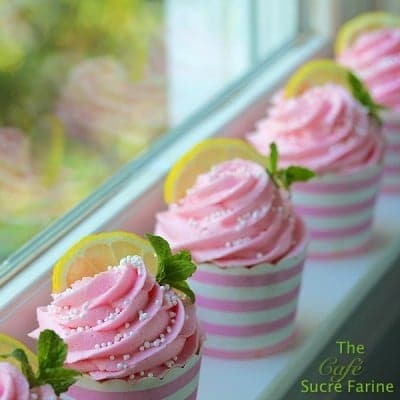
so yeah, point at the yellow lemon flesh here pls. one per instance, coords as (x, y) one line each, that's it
(200, 159)
(316, 73)
(95, 253)
(9, 344)
(352, 29)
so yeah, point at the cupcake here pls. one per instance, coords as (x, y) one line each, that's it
(25, 376)
(130, 334)
(327, 130)
(375, 56)
(250, 247)
(99, 105)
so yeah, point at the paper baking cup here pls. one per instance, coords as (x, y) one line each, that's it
(391, 173)
(178, 384)
(338, 211)
(248, 312)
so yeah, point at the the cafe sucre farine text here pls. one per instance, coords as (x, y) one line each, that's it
(337, 375)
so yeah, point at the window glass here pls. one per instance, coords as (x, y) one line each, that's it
(86, 86)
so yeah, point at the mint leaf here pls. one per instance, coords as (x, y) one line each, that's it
(184, 288)
(273, 159)
(160, 245)
(361, 93)
(59, 378)
(173, 269)
(284, 178)
(20, 355)
(179, 267)
(52, 351)
(297, 174)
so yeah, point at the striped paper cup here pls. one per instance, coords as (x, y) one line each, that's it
(178, 384)
(249, 312)
(338, 210)
(391, 174)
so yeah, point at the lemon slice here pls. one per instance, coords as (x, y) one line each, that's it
(200, 159)
(9, 344)
(95, 253)
(316, 73)
(363, 23)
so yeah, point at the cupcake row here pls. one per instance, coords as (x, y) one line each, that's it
(243, 216)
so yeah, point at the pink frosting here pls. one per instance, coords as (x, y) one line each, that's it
(375, 56)
(233, 216)
(14, 386)
(122, 324)
(324, 129)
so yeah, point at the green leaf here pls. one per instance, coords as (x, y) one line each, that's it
(361, 93)
(184, 288)
(273, 159)
(20, 355)
(179, 267)
(298, 174)
(52, 351)
(160, 246)
(59, 378)
(173, 269)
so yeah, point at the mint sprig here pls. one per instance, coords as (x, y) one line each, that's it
(173, 269)
(361, 93)
(52, 352)
(285, 177)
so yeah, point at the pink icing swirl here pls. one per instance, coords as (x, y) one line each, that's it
(122, 324)
(324, 129)
(14, 386)
(233, 216)
(375, 56)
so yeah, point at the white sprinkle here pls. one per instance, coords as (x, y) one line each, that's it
(131, 333)
(158, 302)
(150, 375)
(120, 366)
(141, 348)
(104, 344)
(131, 377)
(142, 315)
(126, 357)
(167, 287)
(156, 343)
(175, 358)
(146, 344)
(79, 329)
(169, 329)
(96, 346)
(173, 321)
(141, 373)
(259, 255)
(127, 325)
(162, 335)
(109, 343)
(117, 310)
(112, 358)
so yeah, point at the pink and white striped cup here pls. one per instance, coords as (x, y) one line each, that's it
(338, 210)
(178, 384)
(249, 312)
(391, 173)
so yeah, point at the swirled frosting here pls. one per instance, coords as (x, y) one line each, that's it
(233, 216)
(14, 386)
(122, 324)
(324, 129)
(375, 56)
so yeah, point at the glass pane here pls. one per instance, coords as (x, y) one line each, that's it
(277, 24)
(86, 86)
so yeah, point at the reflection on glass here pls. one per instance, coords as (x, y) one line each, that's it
(82, 90)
